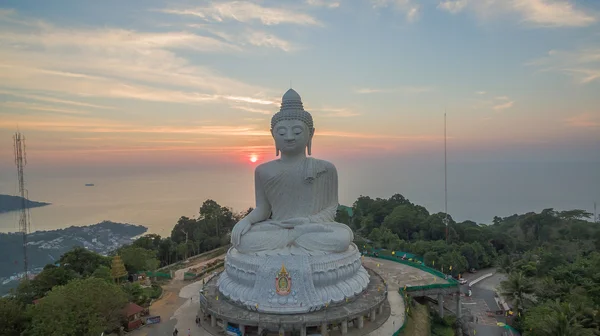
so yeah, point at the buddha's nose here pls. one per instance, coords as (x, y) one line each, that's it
(289, 137)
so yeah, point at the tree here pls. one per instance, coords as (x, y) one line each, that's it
(405, 219)
(504, 264)
(556, 318)
(138, 259)
(469, 253)
(52, 276)
(434, 227)
(517, 289)
(220, 217)
(83, 261)
(12, 319)
(456, 260)
(184, 224)
(497, 220)
(103, 272)
(81, 307)
(149, 242)
(166, 250)
(25, 292)
(342, 216)
(136, 293)
(117, 269)
(570, 215)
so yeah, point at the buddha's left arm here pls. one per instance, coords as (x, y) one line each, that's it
(330, 197)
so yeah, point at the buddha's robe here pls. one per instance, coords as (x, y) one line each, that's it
(309, 189)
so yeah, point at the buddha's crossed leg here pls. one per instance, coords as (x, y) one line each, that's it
(311, 237)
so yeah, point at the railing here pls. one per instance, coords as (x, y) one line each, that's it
(480, 278)
(156, 274)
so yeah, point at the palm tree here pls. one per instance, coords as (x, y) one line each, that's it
(517, 289)
(504, 264)
(565, 319)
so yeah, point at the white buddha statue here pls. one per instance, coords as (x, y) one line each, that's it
(296, 195)
(289, 256)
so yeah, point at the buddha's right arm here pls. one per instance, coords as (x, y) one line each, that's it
(262, 211)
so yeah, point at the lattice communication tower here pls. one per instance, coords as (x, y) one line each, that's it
(24, 225)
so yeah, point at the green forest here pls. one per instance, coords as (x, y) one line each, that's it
(83, 293)
(552, 260)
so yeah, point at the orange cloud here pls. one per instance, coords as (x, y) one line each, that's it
(38, 107)
(585, 120)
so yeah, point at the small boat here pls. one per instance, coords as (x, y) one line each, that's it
(89, 184)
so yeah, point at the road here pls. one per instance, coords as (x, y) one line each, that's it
(482, 301)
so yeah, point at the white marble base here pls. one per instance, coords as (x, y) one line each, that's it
(317, 280)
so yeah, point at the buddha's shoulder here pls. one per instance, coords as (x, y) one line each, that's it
(265, 166)
(323, 163)
(264, 170)
(269, 167)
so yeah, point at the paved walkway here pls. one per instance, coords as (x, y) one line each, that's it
(177, 307)
(398, 275)
(396, 318)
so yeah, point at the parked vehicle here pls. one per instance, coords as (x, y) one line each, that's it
(462, 281)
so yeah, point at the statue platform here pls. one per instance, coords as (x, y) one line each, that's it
(361, 315)
(292, 284)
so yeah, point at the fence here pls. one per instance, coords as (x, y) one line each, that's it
(156, 274)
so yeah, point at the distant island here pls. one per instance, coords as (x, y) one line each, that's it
(46, 247)
(13, 203)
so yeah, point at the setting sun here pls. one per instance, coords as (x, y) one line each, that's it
(253, 158)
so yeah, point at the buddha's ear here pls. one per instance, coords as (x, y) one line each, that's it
(276, 148)
(309, 145)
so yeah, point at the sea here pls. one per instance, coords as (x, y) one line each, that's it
(157, 198)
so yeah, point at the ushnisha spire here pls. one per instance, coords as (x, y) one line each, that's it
(292, 109)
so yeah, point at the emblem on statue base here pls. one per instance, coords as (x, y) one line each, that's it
(283, 282)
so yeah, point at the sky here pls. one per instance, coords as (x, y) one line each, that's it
(155, 82)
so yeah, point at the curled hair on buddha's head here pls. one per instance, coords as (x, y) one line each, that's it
(292, 109)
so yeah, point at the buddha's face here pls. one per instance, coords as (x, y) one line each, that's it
(291, 136)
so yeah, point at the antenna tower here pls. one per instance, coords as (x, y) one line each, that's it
(445, 181)
(24, 226)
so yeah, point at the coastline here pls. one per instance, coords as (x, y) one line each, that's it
(11, 203)
(47, 246)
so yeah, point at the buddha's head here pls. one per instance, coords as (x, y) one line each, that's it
(292, 127)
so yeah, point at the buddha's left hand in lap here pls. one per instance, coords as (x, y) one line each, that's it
(292, 222)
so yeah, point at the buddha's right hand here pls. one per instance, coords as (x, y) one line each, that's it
(239, 230)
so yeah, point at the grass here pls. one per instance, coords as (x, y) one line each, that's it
(418, 322)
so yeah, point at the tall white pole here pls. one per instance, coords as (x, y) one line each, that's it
(445, 179)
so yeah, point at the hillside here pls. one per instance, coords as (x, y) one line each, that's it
(45, 247)
(13, 203)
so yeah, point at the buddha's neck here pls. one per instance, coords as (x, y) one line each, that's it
(292, 159)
